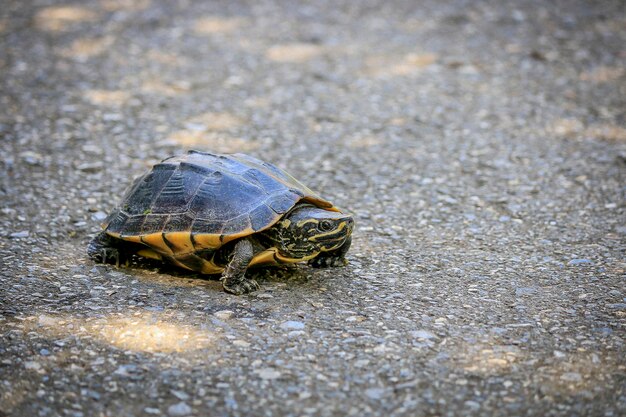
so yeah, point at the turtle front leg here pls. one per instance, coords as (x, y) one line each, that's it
(332, 258)
(234, 276)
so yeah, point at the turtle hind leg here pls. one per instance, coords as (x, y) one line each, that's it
(106, 249)
(234, 277)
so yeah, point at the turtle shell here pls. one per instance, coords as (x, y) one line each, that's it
(202, 201)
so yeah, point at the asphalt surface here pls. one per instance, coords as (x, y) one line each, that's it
(480, 145)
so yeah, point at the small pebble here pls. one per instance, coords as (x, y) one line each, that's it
(361, 363)
(32, 365)
(268, 373)
(112, 117)
(375, 393)
(292, 325)
(90, 167)
(422, 334)
(521, 291)
(44, 320)
(180, 409)
(183, 396)
(224, 314)
(472, 405)
(90, 393)
(31, 158)
(579, 262)
(125, 370)
(99, 216)
(241, 343)
(571, 377)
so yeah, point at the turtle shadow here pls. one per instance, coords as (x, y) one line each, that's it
(272, 275)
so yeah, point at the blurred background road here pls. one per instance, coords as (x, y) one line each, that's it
(481, 146)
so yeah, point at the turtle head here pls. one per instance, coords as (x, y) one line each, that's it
(308, 230)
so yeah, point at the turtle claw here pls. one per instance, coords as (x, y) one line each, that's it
(110, 255)
(107, 256)
(243, 287)
(104, 249)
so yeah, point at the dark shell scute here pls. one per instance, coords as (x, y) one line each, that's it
(140, 198)
(176, 195)
(206, 226)
(226, 198)
(154, 223)
(179, 222)
(171, 199)
(237, 224)
(282, 203)
(261, 216)
(264, 181)
(116, 221)
(133, 225)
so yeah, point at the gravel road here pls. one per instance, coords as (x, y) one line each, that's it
(481, 146)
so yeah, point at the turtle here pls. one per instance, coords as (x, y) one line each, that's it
(221, 214)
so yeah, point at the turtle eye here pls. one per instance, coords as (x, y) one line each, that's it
(325, 225)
